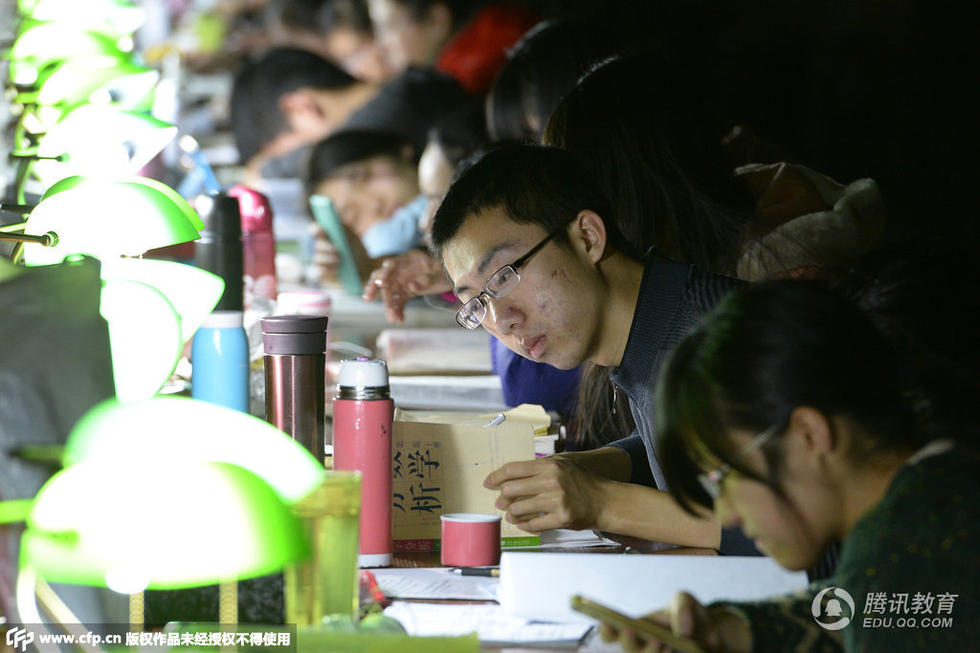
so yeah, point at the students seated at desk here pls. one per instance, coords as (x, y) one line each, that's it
(534, 252)
(368, 166)
(785, 411)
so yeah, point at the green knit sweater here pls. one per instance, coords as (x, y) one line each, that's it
(911, 566)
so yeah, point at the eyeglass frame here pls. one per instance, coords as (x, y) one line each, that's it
(712, 481)
(514, 268)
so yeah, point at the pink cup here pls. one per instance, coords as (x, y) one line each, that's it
(470, 540)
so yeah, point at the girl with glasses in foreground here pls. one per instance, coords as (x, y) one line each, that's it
(784, 413)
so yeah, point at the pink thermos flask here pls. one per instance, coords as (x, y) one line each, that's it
(258, 243)
(362, 416)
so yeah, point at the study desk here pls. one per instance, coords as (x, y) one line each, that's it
(592, 643)
(354, 320)
(418, 559)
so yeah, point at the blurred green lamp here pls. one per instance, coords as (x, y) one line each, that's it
(154, 188)
(104, 218)
(44, 44)
(159, 526)
(170, 430)
(152, 308)
(114, 18)
(100, 139)
(144, 337)
(94, 79)
(192, 291)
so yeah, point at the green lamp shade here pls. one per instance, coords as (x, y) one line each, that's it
(47, 43)
(114, 18)
(98, 80)
(192, 291)
(152, 184)
(174, 429)
(158, 526)
(107, 218)
(101, 139)
(144, 337)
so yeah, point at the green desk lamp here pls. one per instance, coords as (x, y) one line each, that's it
(99, 140)
(114, 18)
(96, 79)
(105, 218)
(47, 43)
(165, 192)
(149, 525)
(153, 526)
(192, 291)
(144, 337)
(174, 429)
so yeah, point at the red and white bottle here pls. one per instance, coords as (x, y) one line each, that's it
(258, 243)
(362, 421)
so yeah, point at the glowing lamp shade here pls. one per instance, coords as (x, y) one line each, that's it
(97, 80)
(157, 188)
(170, 430)
(113, 18)
(101, 139)
(47, 43)
(193, 292)
(133, 527)
(144, 337)
(108, 218)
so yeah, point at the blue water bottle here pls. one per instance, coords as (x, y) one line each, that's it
(219, 359)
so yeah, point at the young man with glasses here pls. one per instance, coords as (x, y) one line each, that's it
(533, 252)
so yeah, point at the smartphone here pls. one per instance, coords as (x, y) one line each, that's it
(640, 626)
(326, 216)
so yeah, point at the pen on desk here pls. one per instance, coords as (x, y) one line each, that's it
(498, 419)
(493, 572)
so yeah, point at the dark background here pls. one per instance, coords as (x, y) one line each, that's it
(853, 88)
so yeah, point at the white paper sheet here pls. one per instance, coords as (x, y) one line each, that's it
(440, 583)
(564, 538)
(489, 622)
(540, 585)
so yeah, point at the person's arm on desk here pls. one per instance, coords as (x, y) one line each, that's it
(588, 490)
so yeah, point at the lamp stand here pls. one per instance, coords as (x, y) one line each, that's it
(136, 612)
(228, 603)
(32, 590)
(49, 239)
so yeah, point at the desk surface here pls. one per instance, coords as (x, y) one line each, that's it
(416, 559)
(592, 643)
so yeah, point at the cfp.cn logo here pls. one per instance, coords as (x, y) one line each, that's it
(19, 638)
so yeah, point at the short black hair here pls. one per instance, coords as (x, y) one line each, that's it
(461, 133)
(255, 116)
(345, 147)
(533, 183)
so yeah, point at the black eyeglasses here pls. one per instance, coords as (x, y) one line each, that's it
(712, 481)
(470, 315)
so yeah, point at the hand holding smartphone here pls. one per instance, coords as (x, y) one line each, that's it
(326, 216)
(642, 627)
